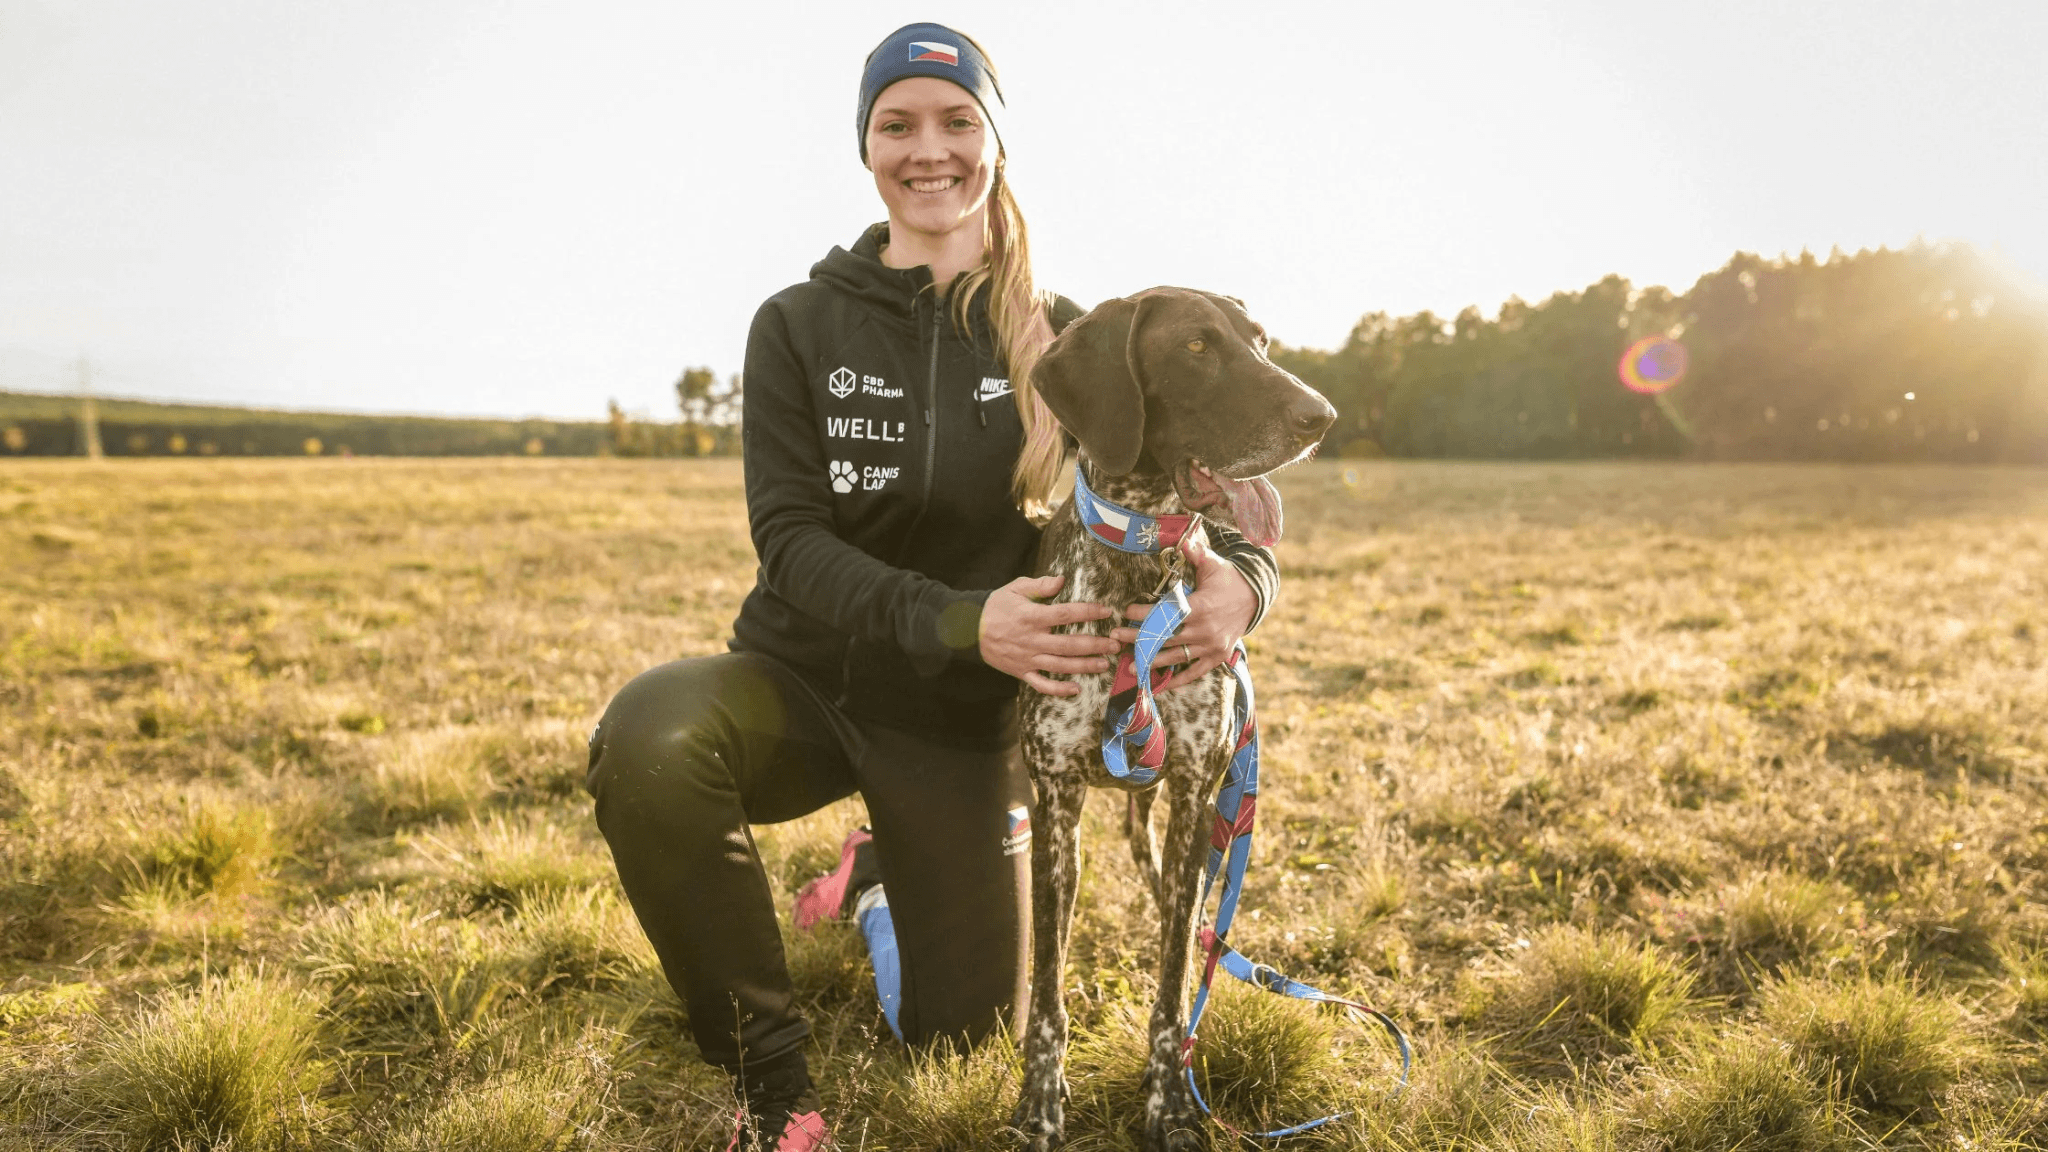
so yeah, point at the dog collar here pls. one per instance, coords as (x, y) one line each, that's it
(1121, 528)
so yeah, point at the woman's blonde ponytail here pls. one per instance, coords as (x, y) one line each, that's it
(1019, 314)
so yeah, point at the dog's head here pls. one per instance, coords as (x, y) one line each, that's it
(1176, 381)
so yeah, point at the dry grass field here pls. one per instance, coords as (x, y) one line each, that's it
(1670, 807)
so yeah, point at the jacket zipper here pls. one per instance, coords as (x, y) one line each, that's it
(931, 461)
(931, 404)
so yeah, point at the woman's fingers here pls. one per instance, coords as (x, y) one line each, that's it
(1073, 665)
(1077, 644)
(1077, 612)
(1186, 676)
(1051, 687)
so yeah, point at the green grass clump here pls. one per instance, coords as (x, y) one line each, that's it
(2027, 978)
(1771, 920)
(1261, 1061)
(1457, 1097)
(1740, 1090)
(943, 1098)
(213, 850)
(429, 775)
(1950, 922)
(542, 1104)
(504, 862)
(828, 964)
(225, 1065)
(587, 940)
(394, 970)
(1883, 1043)
(1576, 995)
(1270, 1060)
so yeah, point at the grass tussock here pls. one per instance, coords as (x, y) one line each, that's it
(1457, 1096)
(543, 1103)
(2026, 969)
(1741, 1089)
(942, 1098)
(1884, 1044)
(1766, 923)
(1575, 996)
(1261, 1061)
(503, 862)
(584, 940)
(226, 1065)
(1270, 1061)
(393, 970)
(828, 965)
(213, 850)
(420, 776)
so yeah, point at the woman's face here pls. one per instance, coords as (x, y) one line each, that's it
(932, 155)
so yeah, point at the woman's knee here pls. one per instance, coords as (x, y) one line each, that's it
(653, 719)
(683, 713)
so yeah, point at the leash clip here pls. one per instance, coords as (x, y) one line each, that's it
(1172, 566)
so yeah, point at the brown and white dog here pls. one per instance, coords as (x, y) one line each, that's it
(1177, 409)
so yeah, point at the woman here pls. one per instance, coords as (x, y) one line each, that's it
(892, 444)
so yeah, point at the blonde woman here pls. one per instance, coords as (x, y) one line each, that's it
(895, 452)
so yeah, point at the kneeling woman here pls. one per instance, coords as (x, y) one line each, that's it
(893, 443)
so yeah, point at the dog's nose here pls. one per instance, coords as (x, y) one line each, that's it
(1309, 416)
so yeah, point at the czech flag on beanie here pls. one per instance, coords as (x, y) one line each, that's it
(938, 53)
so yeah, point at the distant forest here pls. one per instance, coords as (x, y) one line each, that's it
(1928, 353)
(1925, 353)
(39, 424)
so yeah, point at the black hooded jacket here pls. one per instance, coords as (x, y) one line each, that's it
(879, 441)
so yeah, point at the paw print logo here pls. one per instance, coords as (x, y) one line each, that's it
(841, 383)
(842, 475)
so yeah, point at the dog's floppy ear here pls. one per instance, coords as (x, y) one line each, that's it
(1091, 379)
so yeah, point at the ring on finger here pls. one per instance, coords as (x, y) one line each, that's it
(1187, 654)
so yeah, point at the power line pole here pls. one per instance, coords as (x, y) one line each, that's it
(89, 416)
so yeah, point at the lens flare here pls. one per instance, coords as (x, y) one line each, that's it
(1653, 364)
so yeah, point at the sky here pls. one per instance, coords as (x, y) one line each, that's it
(501, 207)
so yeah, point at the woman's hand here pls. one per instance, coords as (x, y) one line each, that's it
(1017, 635)
(1220, 609)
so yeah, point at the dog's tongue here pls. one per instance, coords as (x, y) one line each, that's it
(1255, 505)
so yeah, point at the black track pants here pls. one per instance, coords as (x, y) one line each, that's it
(690, 753)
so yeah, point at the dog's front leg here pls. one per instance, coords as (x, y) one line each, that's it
(1040, 1118)
(1173, 1122)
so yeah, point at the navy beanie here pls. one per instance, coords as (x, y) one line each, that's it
(927, 50)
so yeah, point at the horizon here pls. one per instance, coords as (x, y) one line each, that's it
(2038, 296)
(474, 210)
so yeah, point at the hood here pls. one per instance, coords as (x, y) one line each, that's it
(860, 273)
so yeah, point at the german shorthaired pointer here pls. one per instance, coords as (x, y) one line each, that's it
(1177, 410)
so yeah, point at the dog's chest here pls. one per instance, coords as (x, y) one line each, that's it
(1061, 734)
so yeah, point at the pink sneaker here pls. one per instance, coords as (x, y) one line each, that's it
(825, 897)
(805, 1132)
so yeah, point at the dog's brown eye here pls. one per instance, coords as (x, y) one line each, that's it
(1196, 346)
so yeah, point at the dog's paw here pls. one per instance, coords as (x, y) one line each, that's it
(1173, 1121)
(1039, 1123)
(1188, 1132)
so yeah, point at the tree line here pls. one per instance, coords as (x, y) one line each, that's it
(710, 424)
(44, 424)
(1926, 353)
(1930, 352)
